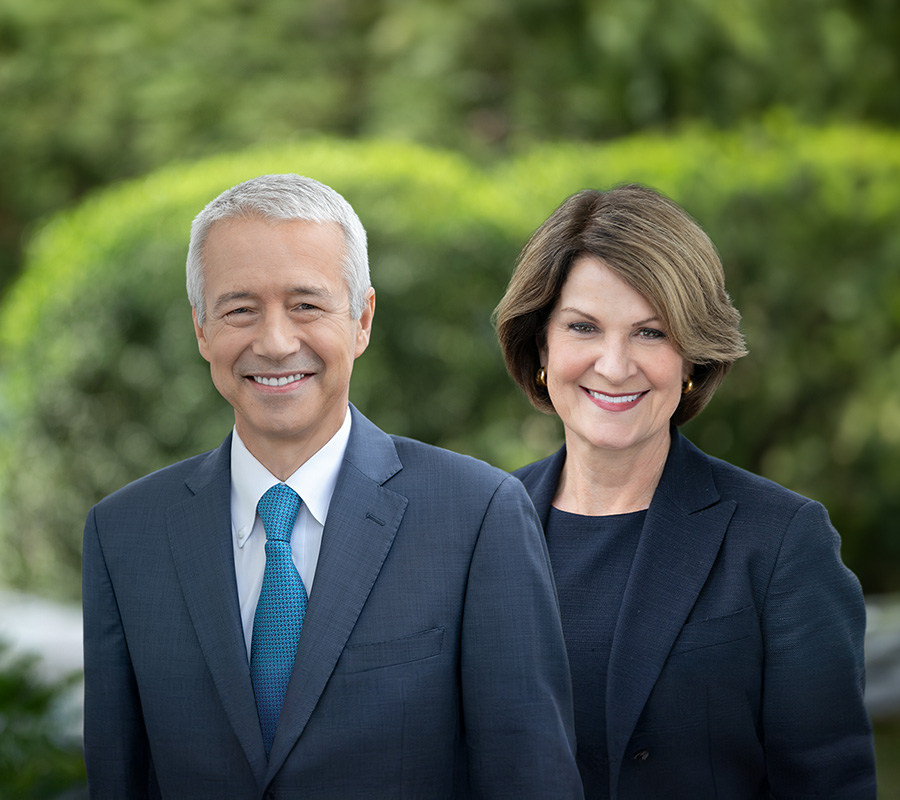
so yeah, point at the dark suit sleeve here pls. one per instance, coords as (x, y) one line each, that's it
(517, 699)
(818, 738)
(115, 743)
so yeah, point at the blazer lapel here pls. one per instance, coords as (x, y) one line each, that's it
(362, 521)
(681, 537)
(200, 539)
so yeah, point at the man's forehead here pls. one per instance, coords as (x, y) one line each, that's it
(262, 222)
(238, 240)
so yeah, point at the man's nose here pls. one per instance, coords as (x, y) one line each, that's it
(277, 338)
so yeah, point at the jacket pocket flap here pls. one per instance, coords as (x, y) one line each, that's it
(406, 649)
(716, 630)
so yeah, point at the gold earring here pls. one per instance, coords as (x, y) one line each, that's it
(688, 387)
(541, 378)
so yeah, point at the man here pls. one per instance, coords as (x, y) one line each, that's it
(315, 609)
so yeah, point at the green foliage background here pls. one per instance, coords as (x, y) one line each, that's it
(37, 760)
(99, 90)
(102, 381)
(99, 378)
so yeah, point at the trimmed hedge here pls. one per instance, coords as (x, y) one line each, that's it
(101, 381)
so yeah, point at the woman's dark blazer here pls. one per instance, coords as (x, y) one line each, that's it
(736, 668)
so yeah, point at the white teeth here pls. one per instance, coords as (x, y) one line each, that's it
(279, 381)
(625, 398)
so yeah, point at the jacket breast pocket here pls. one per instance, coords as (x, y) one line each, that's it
(710, 682)
(715, 631)
(405, 650)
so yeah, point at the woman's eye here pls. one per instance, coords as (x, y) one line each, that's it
(651, 333)
(581, 327)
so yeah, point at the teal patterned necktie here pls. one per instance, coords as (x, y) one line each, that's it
(280, 611)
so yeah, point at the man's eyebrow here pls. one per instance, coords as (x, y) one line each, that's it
(230, 297)
(315, 291)
(227, 298)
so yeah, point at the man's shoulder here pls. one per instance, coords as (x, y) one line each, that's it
(534, 468)
(447, 485)
(160, 483)
(422, 457)
(544, 472)
(403, 461)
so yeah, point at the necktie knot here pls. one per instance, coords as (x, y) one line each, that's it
(277, 509)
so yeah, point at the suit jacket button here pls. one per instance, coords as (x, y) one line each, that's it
(641, 755)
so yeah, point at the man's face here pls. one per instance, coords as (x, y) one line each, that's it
(278, 334)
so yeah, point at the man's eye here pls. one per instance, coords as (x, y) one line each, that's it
(238, 315)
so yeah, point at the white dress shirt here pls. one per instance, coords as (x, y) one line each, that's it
(314, 481)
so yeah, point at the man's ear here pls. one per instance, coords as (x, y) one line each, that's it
(202, 342)
(365, 323)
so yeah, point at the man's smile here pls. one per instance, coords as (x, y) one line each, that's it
(283, 381)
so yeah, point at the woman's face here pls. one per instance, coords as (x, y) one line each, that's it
(613, 375)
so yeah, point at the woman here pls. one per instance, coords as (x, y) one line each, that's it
(715, 638)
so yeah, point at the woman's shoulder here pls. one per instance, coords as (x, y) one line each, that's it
(751, 490)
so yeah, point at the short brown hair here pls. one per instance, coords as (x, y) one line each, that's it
(654, 246)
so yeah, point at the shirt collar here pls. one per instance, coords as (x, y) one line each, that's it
(314, 481)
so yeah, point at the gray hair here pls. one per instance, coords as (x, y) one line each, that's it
(282, 198)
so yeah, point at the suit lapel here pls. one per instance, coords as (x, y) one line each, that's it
(200, 539)
(362, 521)
(681, 537)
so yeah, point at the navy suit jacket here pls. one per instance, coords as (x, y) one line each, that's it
(736, 668)
(431, 663)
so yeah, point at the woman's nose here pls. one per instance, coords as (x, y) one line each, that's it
(614, 362)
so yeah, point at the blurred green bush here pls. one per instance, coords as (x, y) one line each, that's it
(38, 760)
(100, 380)
(100, 90)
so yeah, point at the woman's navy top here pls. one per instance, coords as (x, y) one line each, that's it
(591, 559)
